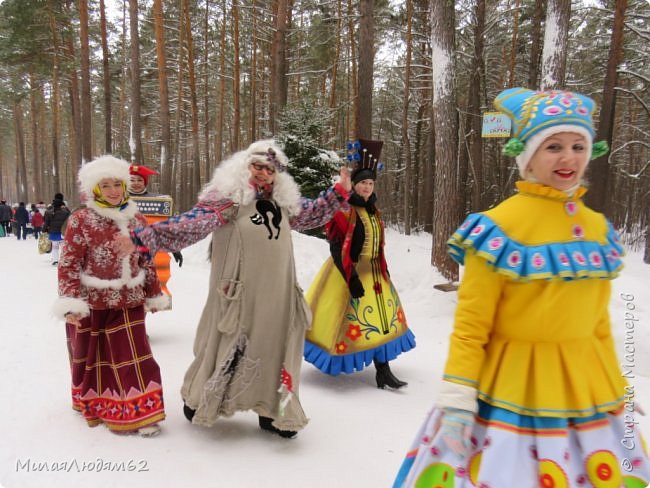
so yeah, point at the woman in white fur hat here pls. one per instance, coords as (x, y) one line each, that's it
(249, 342)
(104, 291)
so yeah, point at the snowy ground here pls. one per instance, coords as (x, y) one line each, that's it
(357, 435)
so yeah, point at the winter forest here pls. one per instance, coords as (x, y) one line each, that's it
(178, 85)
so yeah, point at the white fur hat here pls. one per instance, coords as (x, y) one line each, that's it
(103, 167)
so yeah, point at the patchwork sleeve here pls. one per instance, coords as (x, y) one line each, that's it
(320, 210)
(187, 228)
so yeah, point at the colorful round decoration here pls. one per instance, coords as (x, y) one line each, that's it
(579, 258)
(465, 225)
(578, 232)
(613, 255)
(595, 259)
(603, 471)
(477, 230)
(582, 110)
(538, 261)
(571, 208)
(564, 259)
(551, 475)
(514, 259)
(436, 474)
(495, 243)
(552, 110)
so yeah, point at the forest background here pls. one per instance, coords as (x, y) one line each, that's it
(178, 85)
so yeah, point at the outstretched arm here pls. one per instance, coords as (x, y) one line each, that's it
(187, 228)
(320, 210)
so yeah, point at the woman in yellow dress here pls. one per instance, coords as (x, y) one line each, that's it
(532, 393)
(358, 317)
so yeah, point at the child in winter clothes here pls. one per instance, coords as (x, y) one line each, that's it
(104, 292)
(37, 221)
(532, 393)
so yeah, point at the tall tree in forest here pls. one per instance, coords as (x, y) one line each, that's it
(189, 38)
(221, 92)
(279, 82)
(21, 174)
(406, 143)
(135, 141)
(234, 145)
(37, 179)
(75, 134)
(54, 100)
(599, 170)
(474, 120)
(163, 90)
(535, 45)
(446, 214)
(363, 102)
(84, 51)
(106, 78)
(556, 35)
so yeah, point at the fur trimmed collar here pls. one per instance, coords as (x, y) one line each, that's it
(231, 180)
(120, 217)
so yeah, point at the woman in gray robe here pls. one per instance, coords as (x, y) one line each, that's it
(249, 341)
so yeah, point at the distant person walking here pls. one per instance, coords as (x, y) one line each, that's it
(5, 217)
(21, 216)
(54, 219)
(37, 221)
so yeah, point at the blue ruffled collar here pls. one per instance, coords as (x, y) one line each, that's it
(562, 260)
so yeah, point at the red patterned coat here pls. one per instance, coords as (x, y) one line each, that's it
(93, 274)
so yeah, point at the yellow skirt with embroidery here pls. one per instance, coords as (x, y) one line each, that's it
(348, 333)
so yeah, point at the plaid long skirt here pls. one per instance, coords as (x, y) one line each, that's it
(115, 379)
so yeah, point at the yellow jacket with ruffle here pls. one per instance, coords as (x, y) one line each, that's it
(532, 328)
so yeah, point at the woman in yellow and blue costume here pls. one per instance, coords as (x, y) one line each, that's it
(532, 393)
(358, 317)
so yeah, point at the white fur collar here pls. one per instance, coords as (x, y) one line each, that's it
(120, 217)
(231, 180)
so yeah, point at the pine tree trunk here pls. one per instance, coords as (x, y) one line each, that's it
(106, 79)
(56, 167)
(353, 95)
(219, 139)
(21, 174)
(363, 105)
(235, 79)
(513, 45)
(163, 87)
(36, 181)
(556, 35)
(474, 118)
(446, 214)
(194, 153)
(599, 170)
(279, 85)
(254, 94)
(535, 45)
(406, 142)
(135, 142)
(84, 52)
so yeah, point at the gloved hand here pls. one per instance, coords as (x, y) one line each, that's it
(456, 429)
(178, 257)
(356, 288)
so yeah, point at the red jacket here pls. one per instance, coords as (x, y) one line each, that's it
(93, 274)
(37, 219)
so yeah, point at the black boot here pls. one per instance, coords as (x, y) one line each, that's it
(266, 423)
(189, 413)
(385, 376)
